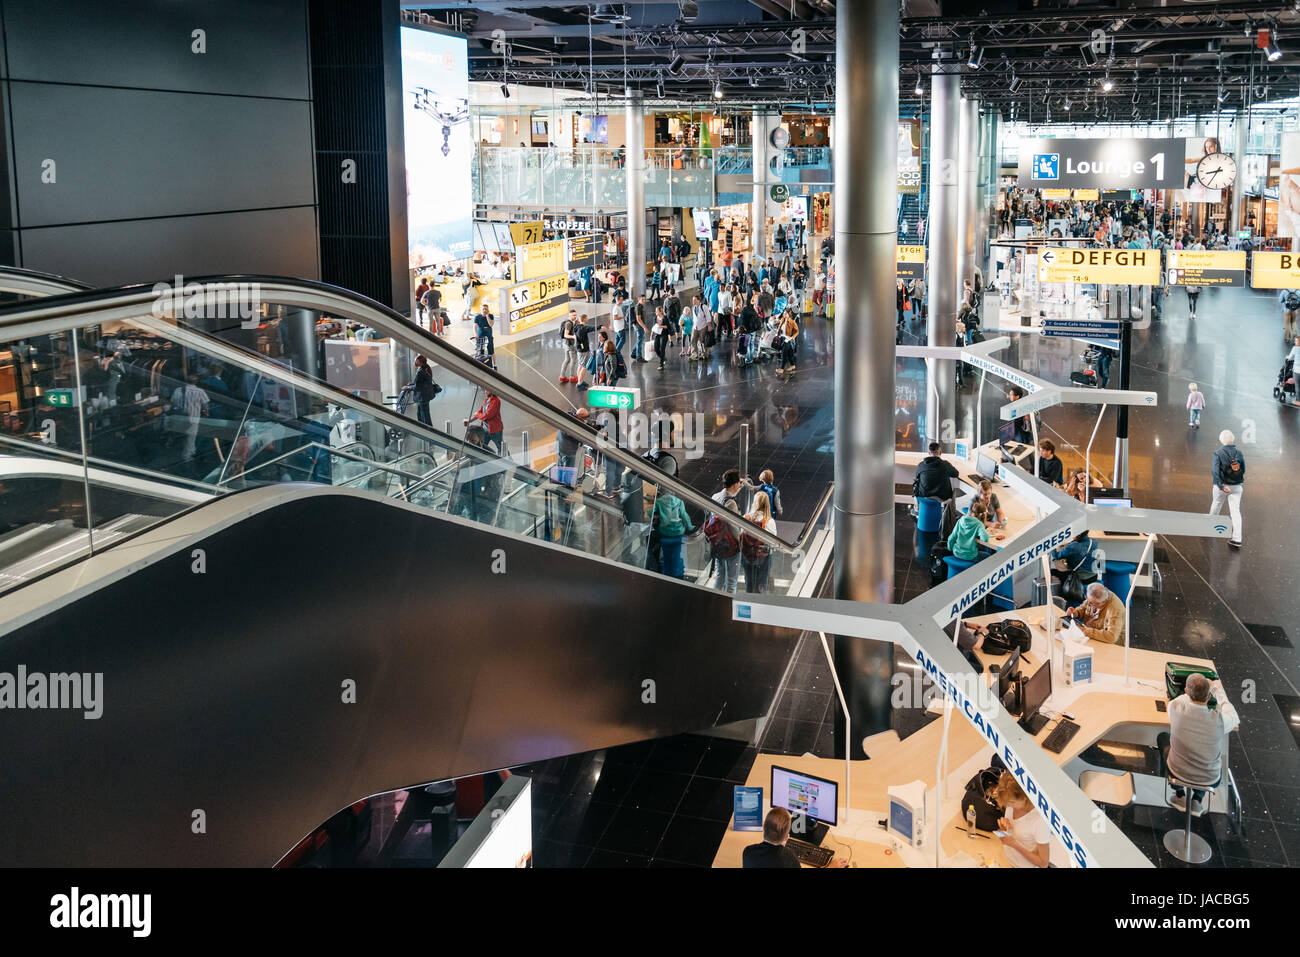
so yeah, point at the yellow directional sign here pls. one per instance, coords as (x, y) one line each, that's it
(1087, 195)
(539, 259)
(1202, 267)
(536, 301)
(910, 262)
(1134, 267)
(1275, 270)
(525, 233)
(1056, 194)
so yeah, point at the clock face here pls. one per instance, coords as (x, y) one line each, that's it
(780, 137)
(1216, 171)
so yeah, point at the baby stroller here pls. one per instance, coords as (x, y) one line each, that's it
(1285, 390)
(769, 345)
(1088, 376)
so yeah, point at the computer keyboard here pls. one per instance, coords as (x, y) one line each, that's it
(814, 855)
(1060, 736)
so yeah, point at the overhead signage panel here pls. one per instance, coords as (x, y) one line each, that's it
(1087, 195)
(524, 234)
(585, 251)
(910, 262)
(1194, 267)
(1125, 266)
(1056, 194)
(1112, 162)
(529, 303)
(1275, 270)
(539, 259)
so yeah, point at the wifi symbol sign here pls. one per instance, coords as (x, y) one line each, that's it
(1220, 528)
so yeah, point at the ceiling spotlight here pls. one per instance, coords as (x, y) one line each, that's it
(675, 64)
(609, 13)
(1015, 83)
(830, 91)
(1271, 49)
(1222, 96)
(976, 56)
(1107, 84)
(753, 81)
(1213, 45)
(1089, 55)
(1143, 45)
(1066, 104)
(717, 89)
(920, 90)
(505, 91)
(659, 87)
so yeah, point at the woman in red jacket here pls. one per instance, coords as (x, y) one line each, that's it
(489, 413)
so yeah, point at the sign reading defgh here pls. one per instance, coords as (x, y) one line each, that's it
(1127, 266)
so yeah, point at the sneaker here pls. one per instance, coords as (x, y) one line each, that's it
(1179, 802)
(583, 385)
(1197, 809)
(1235, 544)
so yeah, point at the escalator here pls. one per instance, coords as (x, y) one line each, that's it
(222, 626)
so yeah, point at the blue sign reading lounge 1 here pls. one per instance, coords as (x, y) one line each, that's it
(1118, 163)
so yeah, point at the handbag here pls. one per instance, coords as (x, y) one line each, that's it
(979, 795)
(1001, 637)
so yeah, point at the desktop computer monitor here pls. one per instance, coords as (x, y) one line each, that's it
(1097, 493)
(1037, 690)
(1008, 671)
(1114, 502)
(1007, 433)
(986, 466)
(812, 802)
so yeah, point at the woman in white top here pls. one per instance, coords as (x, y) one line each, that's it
(1026, 838)
(756, 556)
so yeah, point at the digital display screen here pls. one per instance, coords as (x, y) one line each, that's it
(801, 794)
(439, 150)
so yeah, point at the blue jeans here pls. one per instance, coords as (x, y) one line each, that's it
(729, 573)
(620, 337)
(638, 350)
(1195, 417)
(670, 556)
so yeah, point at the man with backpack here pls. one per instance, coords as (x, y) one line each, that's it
(582, 347)
(1290, 299)
(1228, 470)
(725, 547)
(569, 366)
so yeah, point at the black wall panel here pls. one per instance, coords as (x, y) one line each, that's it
(223, 691)
(254, 47)
(131, 154)
(117, 253)
(150, 139)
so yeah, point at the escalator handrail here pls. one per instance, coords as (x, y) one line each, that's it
(59, 314)
(32, 282)
(162, 478)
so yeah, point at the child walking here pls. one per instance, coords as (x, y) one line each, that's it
(1195, 403)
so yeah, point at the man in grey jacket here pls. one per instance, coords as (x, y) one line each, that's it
(1228, 470)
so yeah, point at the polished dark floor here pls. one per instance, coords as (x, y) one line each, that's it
(666, 803)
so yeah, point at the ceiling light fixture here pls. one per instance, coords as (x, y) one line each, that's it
(1107, 84)
(1014, 84)
(717, 89)
(976, 56)
(675, 64)
(920, 90)
(505, 90)
(1089, 55)
(1271, 49)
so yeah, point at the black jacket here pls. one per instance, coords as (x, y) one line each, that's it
(1221, 468)
(933, 478)
(764, 854)
(1051, 471)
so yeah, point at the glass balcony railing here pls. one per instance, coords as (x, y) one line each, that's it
(128, 406)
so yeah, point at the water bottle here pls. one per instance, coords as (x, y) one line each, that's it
(970, 822)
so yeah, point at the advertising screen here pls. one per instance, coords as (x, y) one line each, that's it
(439, 152)
(593, 129)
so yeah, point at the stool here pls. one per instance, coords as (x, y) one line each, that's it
(1107, 788)
(1183, 844)
(929, 514)
(1118, 576)
(956, 565)
(875, 745)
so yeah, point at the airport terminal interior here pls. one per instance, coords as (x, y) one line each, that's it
(712, 434)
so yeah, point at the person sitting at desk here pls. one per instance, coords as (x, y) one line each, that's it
(1101, 616)
(1050, 468)
(964, 542)
(1193, 748)
(771, 851)
(993, 508)
(1026, 840)
(934, 476)
(1078, 485)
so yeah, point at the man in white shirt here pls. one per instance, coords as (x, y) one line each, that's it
(618, 321)
(1193, 749)
(192, 402)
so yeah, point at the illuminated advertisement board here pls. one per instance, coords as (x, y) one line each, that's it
(439, 151)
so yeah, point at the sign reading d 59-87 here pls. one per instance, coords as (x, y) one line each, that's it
(1134, 267)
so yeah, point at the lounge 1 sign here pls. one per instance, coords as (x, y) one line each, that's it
(1117, 163)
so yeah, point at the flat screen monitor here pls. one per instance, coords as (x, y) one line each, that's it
(815, 798)
(1007, 433)
(1117, 502)
(1037, 690)
(1009, 670)
(986, 467)
(1097, 493)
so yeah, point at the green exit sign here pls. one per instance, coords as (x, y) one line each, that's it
(613, 398)
(59, 398)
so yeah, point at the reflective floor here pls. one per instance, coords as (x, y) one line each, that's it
(666, 803)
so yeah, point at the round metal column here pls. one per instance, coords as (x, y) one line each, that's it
(634, 170)
(943, 245)
(865, 196)
(968, 133)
